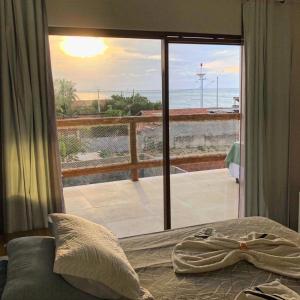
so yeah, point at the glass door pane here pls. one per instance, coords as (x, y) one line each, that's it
(204, 84)
(111, 87)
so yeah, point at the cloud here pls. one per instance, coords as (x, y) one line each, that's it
(221, 66)
(129, 54)
(154, 57)
(223, 53)
(186, 73)
(151, 70)
(124, 53)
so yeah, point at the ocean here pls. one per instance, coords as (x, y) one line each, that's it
(181, 98)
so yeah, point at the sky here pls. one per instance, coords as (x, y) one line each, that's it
(128, 64)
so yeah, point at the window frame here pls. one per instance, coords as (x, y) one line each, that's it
(166, 39)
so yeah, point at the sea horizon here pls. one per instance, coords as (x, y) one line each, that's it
(179, 98)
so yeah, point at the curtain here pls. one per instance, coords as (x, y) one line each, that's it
(30, 170)
(267, 56)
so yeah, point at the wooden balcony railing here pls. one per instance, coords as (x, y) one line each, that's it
(135, 164)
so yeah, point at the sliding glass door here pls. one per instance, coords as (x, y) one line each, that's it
(204, 94)
(145, 123)
(108, 106)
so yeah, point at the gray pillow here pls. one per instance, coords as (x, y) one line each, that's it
(30, 273)
(3, 271)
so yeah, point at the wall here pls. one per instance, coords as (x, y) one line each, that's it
(196, 16)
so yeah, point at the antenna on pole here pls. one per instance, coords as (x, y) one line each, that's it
(201, 76)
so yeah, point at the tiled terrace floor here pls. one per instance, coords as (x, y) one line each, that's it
(131, 208)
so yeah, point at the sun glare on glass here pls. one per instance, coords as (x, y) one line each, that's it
(80, 46)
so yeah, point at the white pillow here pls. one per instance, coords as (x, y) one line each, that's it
(89, 256)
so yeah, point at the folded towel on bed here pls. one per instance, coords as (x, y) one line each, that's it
(204, 253)
(273, 291)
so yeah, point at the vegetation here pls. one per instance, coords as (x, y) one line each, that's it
(105, 153)
(70, 147)
(86, 110)
(108, 131)
(129, 106)
(118, 105)
(65, 95)
(110, 112)
(110, 153)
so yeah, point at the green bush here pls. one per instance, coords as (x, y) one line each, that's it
(105, 153)
(108, 131)
(69, 147)
(129, 106)
(113, 112)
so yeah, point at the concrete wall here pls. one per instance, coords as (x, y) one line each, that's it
(197, 16)
(188, 138)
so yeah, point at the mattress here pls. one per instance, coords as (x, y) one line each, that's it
(150, 255)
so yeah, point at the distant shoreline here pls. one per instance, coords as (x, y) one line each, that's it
(179, 98)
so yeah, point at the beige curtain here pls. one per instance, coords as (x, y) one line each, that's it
(30, 170)
(267, 55)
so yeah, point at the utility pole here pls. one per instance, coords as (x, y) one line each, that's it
(217, 91)
(98, 104)
(201, 76)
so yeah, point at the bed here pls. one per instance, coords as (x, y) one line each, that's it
(150, 255)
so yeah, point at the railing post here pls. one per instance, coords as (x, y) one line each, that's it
(133, 150)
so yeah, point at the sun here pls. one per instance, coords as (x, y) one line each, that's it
(81, 46)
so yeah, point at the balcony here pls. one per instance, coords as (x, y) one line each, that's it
(113, 177)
